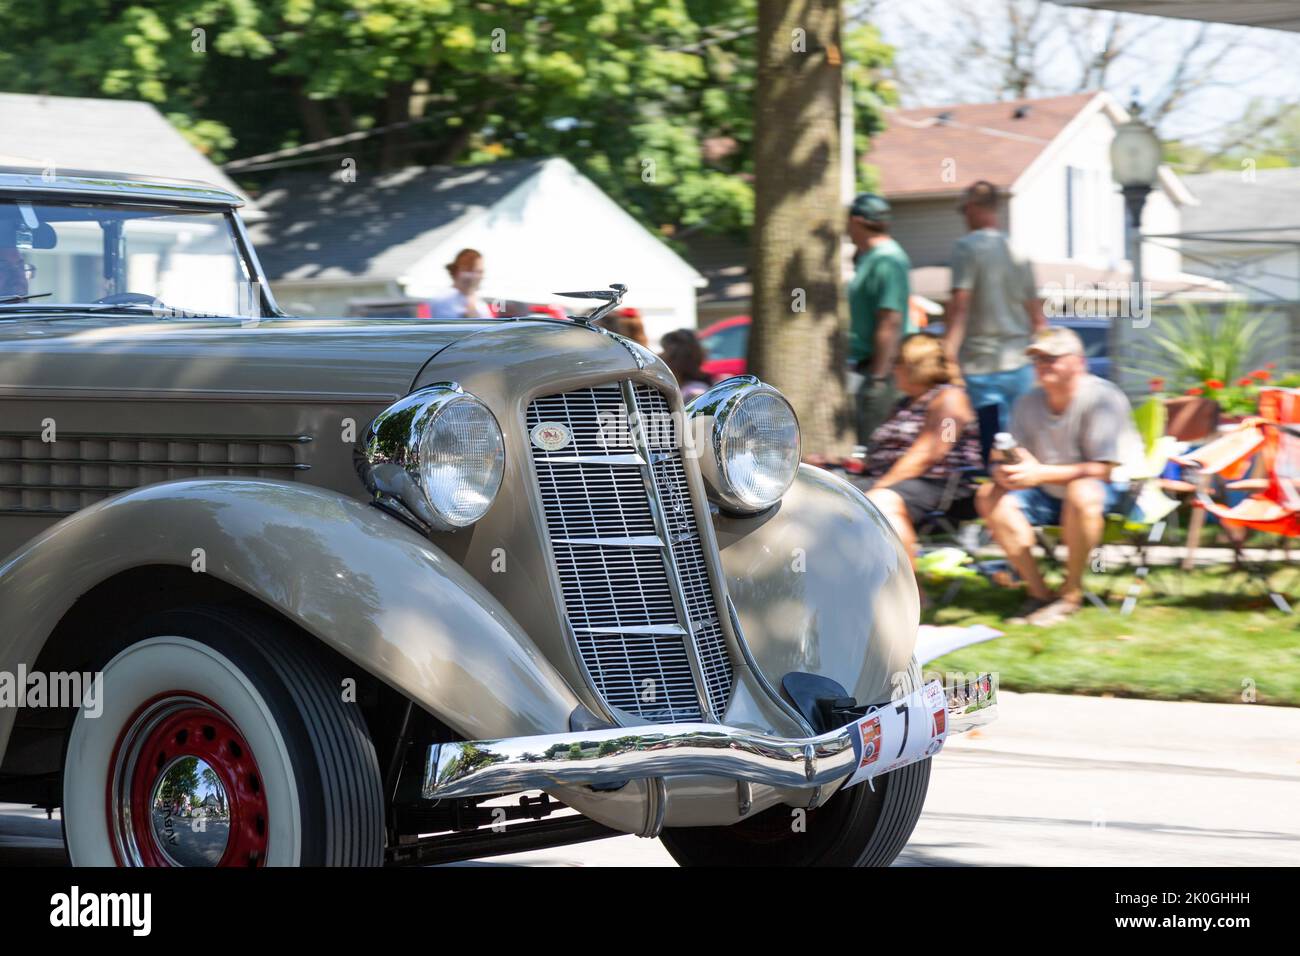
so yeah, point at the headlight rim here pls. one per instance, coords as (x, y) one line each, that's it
(719, 403)
(389, 457)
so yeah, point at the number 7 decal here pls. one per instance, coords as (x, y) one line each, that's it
(902, 708)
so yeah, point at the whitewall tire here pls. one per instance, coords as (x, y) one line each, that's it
(223, 740)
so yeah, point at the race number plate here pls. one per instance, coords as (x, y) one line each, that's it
(900, 732)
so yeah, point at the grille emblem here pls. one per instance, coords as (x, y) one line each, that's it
(551, 436)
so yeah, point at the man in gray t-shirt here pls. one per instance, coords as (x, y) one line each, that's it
(994, 308)
(1072, 431)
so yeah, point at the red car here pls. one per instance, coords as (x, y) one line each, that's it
(724, 343)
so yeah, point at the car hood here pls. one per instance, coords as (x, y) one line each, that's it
(366, 359)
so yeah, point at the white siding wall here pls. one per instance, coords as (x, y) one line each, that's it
(1046, 213)
(927, 229)
(1259, 273)
(1160, 216)
(325, 300)
(1069, 208)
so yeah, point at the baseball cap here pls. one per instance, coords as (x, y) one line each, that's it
(870, 207)
(1054, 341)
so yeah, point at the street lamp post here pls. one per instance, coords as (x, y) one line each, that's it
(1135, 162)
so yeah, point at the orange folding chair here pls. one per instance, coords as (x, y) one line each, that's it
(1269, 443)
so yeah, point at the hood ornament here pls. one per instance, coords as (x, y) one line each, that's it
(612, 296)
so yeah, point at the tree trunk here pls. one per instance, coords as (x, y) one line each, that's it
(395, 145)
(797, 341)
(312, 114)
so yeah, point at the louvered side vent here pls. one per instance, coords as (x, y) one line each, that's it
(614, 566)
(62, 476)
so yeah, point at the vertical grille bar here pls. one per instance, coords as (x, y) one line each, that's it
(627, 551)
(686, 548)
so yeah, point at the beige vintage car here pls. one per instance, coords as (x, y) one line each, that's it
(352, 592)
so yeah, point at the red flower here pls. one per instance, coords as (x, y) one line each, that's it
(1270, 365)
(1156, 384)
(1245, 381)
(1261, 374)
(1213, 383)
(1195, 391)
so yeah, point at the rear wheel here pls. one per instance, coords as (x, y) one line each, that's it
(224, 740)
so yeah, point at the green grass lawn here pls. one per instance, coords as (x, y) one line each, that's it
(1209, 634)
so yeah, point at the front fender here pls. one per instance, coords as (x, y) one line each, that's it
(822, 585)
(362, 582)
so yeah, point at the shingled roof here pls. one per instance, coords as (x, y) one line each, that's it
(992, 141)
(1263, 205)
(318, 226)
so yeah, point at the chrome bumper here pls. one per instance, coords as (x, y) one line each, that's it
(482, 767)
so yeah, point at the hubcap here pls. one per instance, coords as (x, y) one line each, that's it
(185, 789)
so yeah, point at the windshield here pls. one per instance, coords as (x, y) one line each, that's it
(128, 258)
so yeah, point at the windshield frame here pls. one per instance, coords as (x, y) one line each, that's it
(243, 246)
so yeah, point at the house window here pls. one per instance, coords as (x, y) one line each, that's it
(1076, 210)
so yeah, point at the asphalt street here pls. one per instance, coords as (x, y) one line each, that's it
(1079, 781)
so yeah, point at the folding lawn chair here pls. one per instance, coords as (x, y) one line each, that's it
(937, 526)
(937, 521)
(1270, 441)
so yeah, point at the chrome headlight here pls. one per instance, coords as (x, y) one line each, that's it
(747, 438)
(435, 457)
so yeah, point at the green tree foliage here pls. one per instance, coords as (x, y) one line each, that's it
(651, 98)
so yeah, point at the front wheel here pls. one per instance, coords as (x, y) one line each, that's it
(223, 740)
(856, 827)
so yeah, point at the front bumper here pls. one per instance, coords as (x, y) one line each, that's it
(484, 767)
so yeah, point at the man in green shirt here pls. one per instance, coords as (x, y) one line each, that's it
(878, 313)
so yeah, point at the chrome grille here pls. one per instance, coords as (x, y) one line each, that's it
(616, 571)
(688, 550)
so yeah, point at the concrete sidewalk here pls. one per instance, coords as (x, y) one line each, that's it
(1090, 781)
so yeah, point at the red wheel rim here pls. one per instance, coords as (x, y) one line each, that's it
(161, 741)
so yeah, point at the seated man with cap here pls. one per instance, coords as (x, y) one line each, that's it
(1073, 429)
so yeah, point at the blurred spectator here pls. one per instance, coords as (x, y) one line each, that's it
(462, 300)
(1072, 431)
(684, 355)
(994, 308)
(878, 309)
(627, 323)
(631, 326)
(918, 456)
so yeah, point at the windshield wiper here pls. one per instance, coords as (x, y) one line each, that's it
(23, 298)
(10, 310)
(156, 309)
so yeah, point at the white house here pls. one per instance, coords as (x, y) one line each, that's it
(542, 227)
(1050, 160)
(1246, 231)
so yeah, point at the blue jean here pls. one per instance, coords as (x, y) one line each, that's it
(1043, 510)
(1000, 389)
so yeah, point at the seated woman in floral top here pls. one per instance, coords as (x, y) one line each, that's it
(915, 458)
